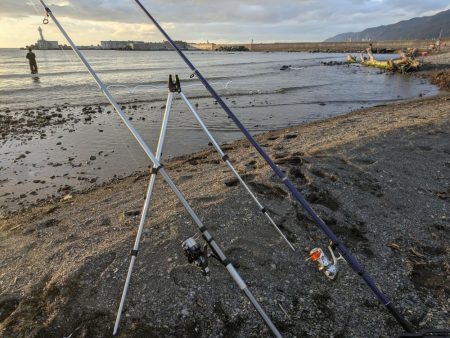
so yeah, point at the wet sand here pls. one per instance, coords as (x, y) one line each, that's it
(378, 176)
(47, 153)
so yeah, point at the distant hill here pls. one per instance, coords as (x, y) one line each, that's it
(426, 27)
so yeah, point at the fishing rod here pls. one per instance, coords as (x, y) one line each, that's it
(192, 249)
(336, 242)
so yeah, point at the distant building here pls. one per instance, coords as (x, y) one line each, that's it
(138, 45)
(44, 44)
(141, 45)
(114, 44)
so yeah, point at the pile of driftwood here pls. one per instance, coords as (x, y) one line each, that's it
(405, 63)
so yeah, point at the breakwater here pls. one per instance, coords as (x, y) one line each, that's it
(339, 47)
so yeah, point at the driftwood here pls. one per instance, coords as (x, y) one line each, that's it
(405, 63)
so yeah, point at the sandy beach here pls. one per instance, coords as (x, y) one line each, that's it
(379, 177)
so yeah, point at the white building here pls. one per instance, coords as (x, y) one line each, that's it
(115, 44)
(141, 45)
(138, 45)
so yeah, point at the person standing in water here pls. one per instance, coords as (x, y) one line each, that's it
(32, 59)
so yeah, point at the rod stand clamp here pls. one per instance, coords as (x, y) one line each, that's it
(174, 86)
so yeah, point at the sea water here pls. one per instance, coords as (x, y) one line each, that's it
(262, 95)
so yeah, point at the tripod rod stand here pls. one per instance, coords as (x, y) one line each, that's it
(175, 87)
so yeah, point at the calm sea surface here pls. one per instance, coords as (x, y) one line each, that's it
(63, 78)
(262, 95)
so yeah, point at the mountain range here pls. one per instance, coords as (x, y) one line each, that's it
(426, 27)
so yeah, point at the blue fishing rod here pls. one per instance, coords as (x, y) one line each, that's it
(336, 243)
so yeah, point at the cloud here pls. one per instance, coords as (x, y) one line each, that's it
(230, 11)
(231, 20)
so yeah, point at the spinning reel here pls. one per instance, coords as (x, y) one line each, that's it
(323, 263)
(199, 256)
(196, 254)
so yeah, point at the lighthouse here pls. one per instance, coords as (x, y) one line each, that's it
(40, 33)
(44, 44)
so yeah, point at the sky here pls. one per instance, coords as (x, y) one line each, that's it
(90, 21)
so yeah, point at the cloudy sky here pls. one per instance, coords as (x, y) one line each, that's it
(89, 21)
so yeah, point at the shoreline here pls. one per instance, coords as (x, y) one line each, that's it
(376, 176)
(173, 161)
(77, 146)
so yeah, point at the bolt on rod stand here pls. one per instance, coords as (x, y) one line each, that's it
(337, 243)
(173, 89)
(160, 169)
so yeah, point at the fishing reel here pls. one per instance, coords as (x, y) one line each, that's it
(196, 254)
(323, 263)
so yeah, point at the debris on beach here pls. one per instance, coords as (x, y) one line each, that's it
(404, 64)
(441, 79)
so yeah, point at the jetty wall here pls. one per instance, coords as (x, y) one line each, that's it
(391, 45)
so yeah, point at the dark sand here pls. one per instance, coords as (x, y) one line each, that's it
(379, 177)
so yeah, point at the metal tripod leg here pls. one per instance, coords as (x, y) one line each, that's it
(145, 208)
(230, 165)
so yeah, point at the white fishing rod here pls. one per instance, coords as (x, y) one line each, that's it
(220, 255)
